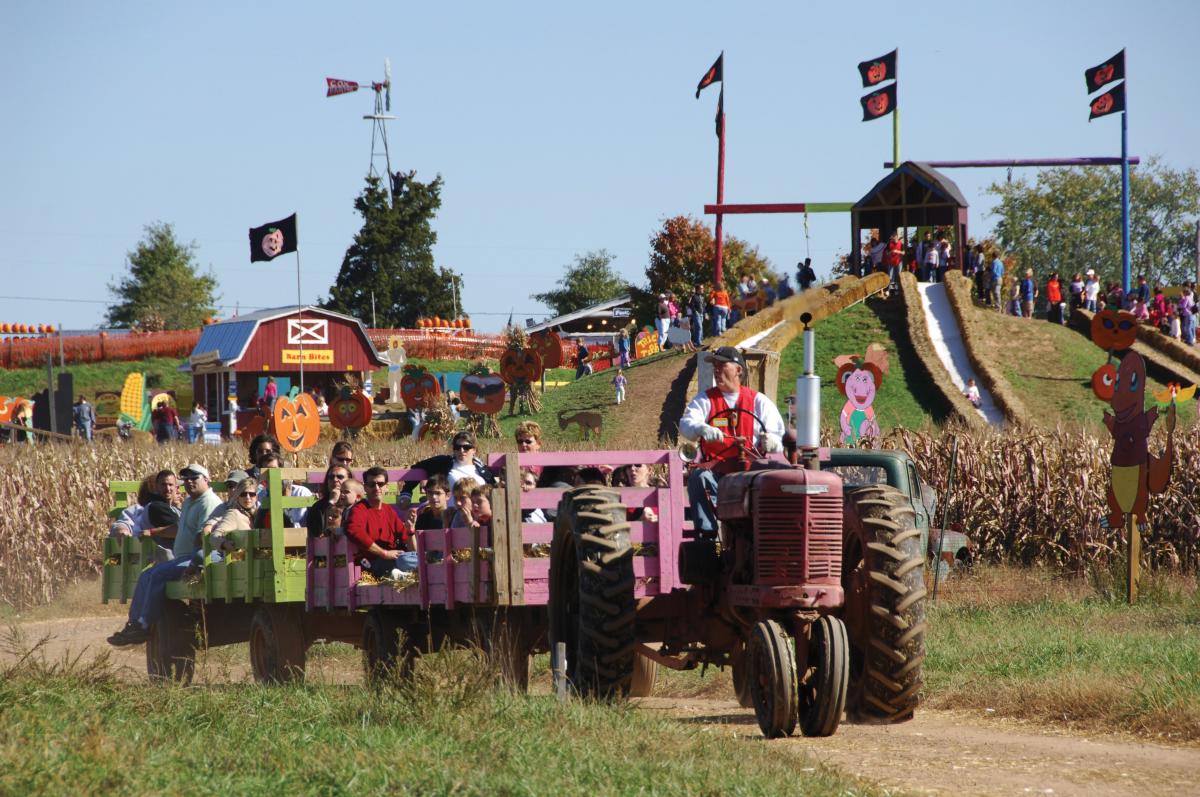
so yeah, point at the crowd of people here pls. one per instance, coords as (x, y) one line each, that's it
(721, 309)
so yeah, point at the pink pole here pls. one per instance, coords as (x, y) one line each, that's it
(718, 272)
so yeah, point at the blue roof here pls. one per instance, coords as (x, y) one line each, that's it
(228, 339)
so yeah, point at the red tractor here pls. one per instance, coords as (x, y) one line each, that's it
(812, 594)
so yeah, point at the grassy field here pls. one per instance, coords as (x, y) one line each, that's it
(78, 729)
(904, 399)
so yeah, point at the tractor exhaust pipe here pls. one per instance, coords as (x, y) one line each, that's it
(808, 401)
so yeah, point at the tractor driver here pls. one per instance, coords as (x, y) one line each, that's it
(709, 419)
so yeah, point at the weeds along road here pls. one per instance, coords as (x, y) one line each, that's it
(939, 752)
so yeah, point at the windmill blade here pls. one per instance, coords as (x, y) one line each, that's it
(387, 83)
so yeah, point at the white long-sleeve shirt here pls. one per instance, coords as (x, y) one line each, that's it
(695, 417)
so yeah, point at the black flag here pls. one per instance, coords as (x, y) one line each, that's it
(1100, 76)
(1111, 101)
(878, 69)
(272, 240)
(879, 103)
(714, 74)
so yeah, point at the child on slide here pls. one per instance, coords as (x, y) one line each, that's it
(972, 393)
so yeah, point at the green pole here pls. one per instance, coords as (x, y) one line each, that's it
(896, 138)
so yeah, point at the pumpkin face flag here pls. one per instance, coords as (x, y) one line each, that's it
(877, 70)
(1111, 101)
(272, 240)
(879, 103)
(1100, 76)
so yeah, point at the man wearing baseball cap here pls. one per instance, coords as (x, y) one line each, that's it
(717, 416)
(148, 596)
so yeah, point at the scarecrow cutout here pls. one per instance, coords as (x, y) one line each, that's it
(1136, 475)
(858, 379)
(520, 366)
(396, 359)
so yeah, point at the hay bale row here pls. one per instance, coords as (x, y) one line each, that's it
(822, 301)
(922, 344)
(958, 290)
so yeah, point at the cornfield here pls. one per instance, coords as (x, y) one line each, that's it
(1024, 496)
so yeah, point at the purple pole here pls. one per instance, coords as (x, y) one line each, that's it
(991, 164)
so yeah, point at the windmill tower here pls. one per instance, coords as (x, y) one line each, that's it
(378, 119)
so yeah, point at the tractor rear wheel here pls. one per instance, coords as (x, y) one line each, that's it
(171, 648)
(592, 607)
(277, 645)
(772, 671)
(823, 688)
(883, 578)
(387, 648)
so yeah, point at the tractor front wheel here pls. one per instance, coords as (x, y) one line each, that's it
(772, 663)
(823, 688)
(171, 648)
(883, 578)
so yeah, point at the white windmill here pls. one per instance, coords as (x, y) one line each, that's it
(383, 107)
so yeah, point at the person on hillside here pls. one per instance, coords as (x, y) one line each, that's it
(583, 365)
(805, 276)
(893, 258)
(1077, 292)
(673, 308)
(619, 382)
(1174, 325)
(1091, 291)
(1116, 296)
(1140, 311)
(1158, 308)
(148, 596)
(997, 281)
(1142, 291)
(784, 289)
(875, 252)
(695, 308)
(1187, 315)
(623, 348)
(715, 417)
(1054, 299)
(718, 300)
(972, 393)
(1029, 294)
(196, 422)
(380, 536)
(929, 265)
(662, 319)
(83, 415)
(923, 247)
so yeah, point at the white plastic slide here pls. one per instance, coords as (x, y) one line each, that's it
(947, 342)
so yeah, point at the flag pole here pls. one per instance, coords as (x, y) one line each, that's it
(718, 270)
(1125, 276)
(299, 306)
(896, 117)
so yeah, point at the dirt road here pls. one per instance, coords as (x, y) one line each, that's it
(939, 752)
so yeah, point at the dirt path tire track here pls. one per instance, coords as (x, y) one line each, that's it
(964, 753)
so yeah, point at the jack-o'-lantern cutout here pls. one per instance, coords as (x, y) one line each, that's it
(482, 391)
(297, 423)
(1114, 329)
(1103, 381)
(1104, 74)
(272, 242)
(548, 344)
(7, 405)
(418, 387)
(350, 410)
(877, 72)
(1102, 105)
(520, 365)
(877, 105)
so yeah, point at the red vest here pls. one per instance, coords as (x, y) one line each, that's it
(740, 424)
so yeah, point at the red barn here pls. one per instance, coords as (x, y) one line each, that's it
(234, 357)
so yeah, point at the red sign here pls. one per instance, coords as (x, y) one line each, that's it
(335, 86)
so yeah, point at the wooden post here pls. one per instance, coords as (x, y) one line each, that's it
(1135, 557)
(516, 540)
(500, 543)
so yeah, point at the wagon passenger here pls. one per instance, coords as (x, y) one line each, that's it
(150, 592)
(437, 504)
(240, 508)
(380, 535)
(137, 519)
(711, 419)
(320, 513)
(294, 517)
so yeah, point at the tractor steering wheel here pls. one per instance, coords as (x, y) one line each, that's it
(745, 446)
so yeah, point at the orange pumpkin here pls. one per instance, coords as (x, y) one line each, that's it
(418, 387)
(297, 423)
(520, 365)
(877, 105)
(877, 72)
(1114, 329)
(50, 329)
(548, 344)
(1104, 381)
(350, 410)
(5, 328)
(482, 393)
(7, 405)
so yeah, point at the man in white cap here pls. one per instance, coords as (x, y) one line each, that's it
(718, 417)
(150, 592)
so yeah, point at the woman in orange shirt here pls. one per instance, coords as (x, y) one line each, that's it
(718, 300)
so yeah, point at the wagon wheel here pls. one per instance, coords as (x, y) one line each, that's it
(388, 650)
(823, 688)
(592, 607)
(277, 645)
(171, 648)
(883, 578)
(772, 674)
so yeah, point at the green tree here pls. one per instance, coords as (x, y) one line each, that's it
(163, 289)
(1070, 220)
(392, 257)
(589, 280)
(683, 254)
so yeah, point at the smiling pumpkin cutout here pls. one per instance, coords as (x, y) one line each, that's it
(858, 379)
(418, 387)
(297, 423)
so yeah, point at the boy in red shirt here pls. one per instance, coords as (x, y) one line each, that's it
(378, 532)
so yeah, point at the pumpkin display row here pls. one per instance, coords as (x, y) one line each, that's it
(27, 329)
(438, 322)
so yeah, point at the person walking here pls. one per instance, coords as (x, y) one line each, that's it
(84, 416)
(695, 308)
(718, 299)
(623, 348)
(196, 422)
(997, 283)
(619, 382)
(662, 319)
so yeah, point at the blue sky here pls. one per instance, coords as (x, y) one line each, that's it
(559, 128)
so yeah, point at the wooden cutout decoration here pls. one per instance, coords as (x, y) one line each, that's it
(351, 409)
(418, 387)
(482, 391)
(258, 425)
(1114, 330)
(590, 423)
(297, 422)
(396, 359)
(858, 379)
(1102, 381)
(520, 365)
(645, 344)
(548, 344)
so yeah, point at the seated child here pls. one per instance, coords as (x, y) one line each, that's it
(461, 517)
(437, 497)
(481, 505)
(529, 481)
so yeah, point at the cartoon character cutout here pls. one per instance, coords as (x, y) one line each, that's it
(858, 379)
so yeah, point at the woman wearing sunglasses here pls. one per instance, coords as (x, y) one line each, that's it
(239, 516)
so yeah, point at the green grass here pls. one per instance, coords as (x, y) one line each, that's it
(84, 732)
(162, 372)
(904, 398)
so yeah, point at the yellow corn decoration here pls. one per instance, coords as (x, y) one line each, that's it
(132, 396)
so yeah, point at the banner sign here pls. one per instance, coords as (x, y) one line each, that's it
(311, 356)
(334, 86)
